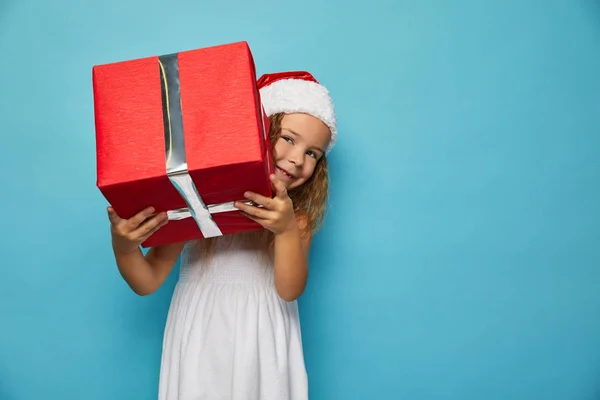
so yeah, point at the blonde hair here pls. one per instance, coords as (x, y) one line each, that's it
(309, 199)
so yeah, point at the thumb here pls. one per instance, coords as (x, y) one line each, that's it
(280, 190)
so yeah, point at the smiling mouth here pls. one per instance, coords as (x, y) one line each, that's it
(285, 173)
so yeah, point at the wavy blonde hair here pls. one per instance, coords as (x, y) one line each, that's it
(309, 199)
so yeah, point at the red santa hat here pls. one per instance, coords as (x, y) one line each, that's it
(298, 92)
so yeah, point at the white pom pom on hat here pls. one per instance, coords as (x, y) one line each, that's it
(298, 92)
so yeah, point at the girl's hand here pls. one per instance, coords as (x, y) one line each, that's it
(129, 234)
(277, 214)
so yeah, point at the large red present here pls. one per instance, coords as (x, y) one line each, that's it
(184, 133)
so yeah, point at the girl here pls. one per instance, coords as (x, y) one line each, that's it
(233, 330)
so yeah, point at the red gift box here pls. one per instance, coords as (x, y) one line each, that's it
(184, 133)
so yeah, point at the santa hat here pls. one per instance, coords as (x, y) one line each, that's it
(298, 92)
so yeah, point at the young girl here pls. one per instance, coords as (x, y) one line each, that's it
(233, 330)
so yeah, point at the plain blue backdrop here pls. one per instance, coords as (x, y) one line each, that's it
(460, 257)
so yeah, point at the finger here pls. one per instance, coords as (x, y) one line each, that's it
(252, 210)
(113, 217)
(140, 217)
(280, 190)
(150, 225)
(153, 230)
(263, 222)
(259, 199)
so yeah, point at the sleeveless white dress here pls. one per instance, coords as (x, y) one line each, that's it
(228, 335)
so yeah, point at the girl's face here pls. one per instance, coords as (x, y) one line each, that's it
(301, 144)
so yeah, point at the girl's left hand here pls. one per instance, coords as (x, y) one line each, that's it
(277, 214)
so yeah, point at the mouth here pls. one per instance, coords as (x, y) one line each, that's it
(285, 173)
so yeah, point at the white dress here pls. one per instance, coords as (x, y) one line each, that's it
(228, 335)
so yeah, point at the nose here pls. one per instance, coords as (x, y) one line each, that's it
(296, 157)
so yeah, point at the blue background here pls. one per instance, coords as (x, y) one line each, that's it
(460, 257)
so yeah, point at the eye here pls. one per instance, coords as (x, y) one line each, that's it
(287, 139)
(312, 154)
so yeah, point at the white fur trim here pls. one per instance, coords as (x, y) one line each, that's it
(300, 96)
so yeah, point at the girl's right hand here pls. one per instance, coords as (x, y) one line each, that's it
(129, 234)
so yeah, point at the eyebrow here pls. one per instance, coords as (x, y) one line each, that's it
(296, 134)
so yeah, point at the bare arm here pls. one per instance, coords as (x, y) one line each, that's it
(291, 261)
(143, 274)
(291, 242)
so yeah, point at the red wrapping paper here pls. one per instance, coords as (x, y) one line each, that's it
(224, 129)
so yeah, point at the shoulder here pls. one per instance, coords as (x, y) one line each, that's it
(303, 223)
(306, 232)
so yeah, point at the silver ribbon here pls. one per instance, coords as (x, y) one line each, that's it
(177, 169)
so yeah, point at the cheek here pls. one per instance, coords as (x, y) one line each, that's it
(309, 169)
(279, 148)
